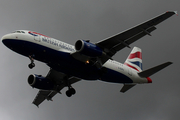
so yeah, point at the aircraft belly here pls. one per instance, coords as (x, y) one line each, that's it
(64, 62)
(80, 71)
(115, 77)
(60, 61)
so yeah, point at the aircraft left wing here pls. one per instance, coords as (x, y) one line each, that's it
(60, 80)
(124, 39)
(115, 43)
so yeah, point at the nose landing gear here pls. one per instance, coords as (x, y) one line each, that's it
(31, 65)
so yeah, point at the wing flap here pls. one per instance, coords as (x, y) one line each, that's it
(133, 39)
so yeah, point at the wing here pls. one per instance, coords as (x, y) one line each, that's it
(124, 39)
(60, 80)
(42, 95)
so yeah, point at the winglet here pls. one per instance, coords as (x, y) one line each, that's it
(176, 13)
(36, 105)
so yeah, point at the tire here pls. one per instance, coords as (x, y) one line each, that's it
(73, 91)
(68, 93)
(33, 65)
(30, 66)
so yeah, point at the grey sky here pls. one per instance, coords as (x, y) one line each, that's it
(69, 20)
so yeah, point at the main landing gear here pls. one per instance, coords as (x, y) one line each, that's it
(31, 65)
(71, 91)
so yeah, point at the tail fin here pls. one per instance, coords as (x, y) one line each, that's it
(134, 59)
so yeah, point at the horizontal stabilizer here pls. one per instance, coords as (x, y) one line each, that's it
(127, 87)
(153, 70)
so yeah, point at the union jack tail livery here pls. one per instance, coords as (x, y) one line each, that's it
(134, 59)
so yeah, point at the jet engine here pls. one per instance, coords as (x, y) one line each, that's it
(40, 82)
(88, 48)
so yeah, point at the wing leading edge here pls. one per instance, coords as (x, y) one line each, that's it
(124, 39)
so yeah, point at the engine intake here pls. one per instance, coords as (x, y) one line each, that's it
(88, 48)
(40, 82)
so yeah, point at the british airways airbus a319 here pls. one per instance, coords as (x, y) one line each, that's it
(88, 61)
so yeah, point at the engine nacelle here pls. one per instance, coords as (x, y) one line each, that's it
(88, 48)
(39, 82)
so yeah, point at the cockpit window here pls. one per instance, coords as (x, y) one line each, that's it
(18, 31)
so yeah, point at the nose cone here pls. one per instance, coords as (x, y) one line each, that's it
(6, 39)
(7, 36)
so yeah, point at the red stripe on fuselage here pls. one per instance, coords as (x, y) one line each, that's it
(39, 34)
(131, 66)
(135, 55)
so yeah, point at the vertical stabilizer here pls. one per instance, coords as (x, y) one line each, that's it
(134, 59)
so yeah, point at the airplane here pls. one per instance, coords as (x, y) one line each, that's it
(85, 60)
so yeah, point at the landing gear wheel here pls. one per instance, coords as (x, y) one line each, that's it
(31, 65)
(70, 92)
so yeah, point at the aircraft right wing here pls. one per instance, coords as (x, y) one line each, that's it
(42, 95)
(58, 78)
